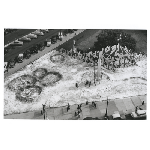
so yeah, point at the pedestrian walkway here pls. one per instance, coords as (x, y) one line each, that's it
(19, 66)
(124, 106)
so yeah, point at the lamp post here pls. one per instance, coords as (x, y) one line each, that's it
(119, 46)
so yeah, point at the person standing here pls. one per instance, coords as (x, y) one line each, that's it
(89, 83)
(77, 85)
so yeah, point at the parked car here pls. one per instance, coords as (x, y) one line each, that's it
(5, 51)
(54, 39)
(25, 39)
(33, 49)
(70, 31)
(117, 116)
(139, 114)
(16, 43)
(19, 58)
(41, 46)
(5, 67)
(11, 63)
(60, 36)
(37, 32)
(47, 42)
(31, 36)
(44, 30)
(27, 54)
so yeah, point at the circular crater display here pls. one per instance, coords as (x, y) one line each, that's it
(28, 94)
(21, 82)
(51, 78)
(57, 58)
(40, 73)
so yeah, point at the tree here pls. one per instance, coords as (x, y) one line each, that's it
(110, 38)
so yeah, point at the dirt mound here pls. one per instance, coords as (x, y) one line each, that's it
(51, 78)
(21, 82)
(28, 94)
(57, 58)
(40, 73)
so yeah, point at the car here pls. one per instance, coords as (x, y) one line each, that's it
(139, 114)
(5, 67)
(33, 49)
(117, 116)
(60, 35)
(70, 31)
(19, 58)
(41, 46)
(16, 43)
(37, 32)
(54, 39)
(31, 36)
(47, 42)
(44, 30)
(11, 63)
(6, 51)
(25, 39)
(27, 54)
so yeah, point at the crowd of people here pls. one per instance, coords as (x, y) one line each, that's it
(110, 57)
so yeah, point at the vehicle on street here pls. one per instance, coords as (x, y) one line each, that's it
(34, 49)
(5, 67)
(16, 43)
(25, 39)
(11, 63)
(19, 58)
(117, 116)
(54, 39)
(41, 46)
(44, 30)
(47, 42)
(26, 54)
(70, 31)
(139, 114)
(37, 32)
(31, 36)
(60, 36)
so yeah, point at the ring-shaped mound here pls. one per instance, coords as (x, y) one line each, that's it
(21, 82)
(57, 58)
(51, 78)
(39, 73)
(28, 94)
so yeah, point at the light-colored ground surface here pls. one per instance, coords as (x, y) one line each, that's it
(123, 106)
(120, 85)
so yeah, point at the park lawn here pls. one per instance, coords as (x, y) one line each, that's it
(141, 38)
(87, 38)
(82, 40)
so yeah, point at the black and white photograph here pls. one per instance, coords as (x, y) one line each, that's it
(75, 74)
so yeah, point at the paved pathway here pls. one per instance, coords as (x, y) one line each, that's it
(124, 106)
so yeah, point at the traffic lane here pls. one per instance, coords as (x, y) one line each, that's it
(17, 34)
(15, 52)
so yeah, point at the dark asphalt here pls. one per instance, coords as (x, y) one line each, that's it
(14, 52)
(17, 34)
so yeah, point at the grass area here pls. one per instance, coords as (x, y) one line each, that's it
(87, 38)
(141, 38)
(83, 41)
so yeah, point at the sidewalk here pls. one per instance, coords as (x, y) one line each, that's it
(124, 106)
(25, 62)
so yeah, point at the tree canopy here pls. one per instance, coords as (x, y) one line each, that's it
(112, 37)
